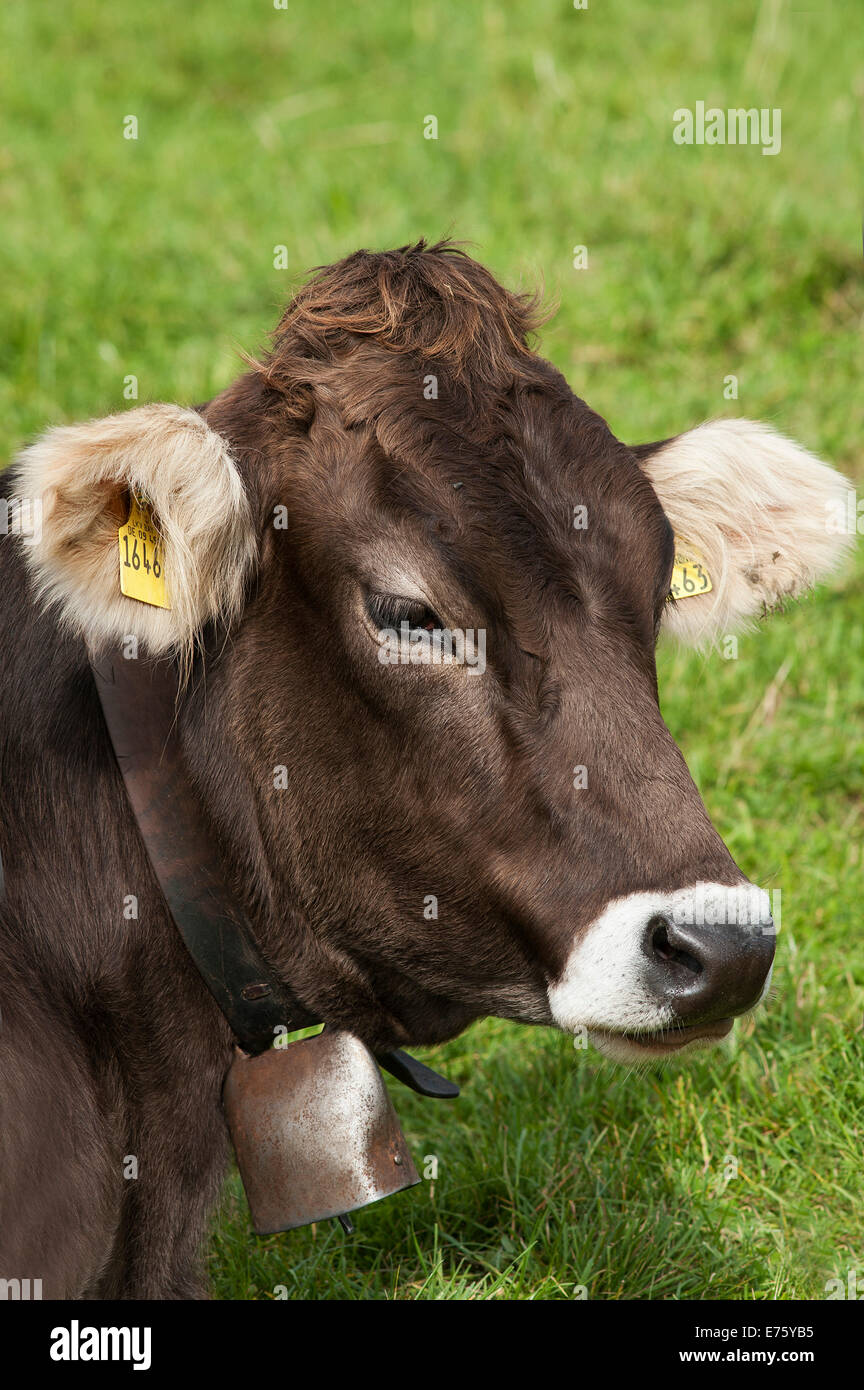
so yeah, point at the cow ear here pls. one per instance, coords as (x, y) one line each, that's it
(79, 480)
(763, 518)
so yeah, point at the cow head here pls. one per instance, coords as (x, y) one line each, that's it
(429, 581)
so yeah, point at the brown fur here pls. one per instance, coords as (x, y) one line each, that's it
(403, 782)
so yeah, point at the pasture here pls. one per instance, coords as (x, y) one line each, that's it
(734, 1176)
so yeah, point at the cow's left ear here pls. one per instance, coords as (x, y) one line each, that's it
(763, 518)
(79, 481)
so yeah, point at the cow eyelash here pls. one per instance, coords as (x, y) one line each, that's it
(391, 611)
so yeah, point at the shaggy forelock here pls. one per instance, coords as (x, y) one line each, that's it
(433, 304)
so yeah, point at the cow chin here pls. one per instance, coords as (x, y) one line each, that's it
(659, 1044)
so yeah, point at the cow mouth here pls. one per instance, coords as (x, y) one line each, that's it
(661, 1042)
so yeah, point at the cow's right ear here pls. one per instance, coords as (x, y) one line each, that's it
(79, 481)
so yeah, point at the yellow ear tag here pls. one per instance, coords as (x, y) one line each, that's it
(142, 559)
(689, 576)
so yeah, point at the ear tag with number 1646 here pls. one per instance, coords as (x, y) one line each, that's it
(142, 558)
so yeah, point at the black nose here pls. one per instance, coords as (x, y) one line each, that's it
(706, 972)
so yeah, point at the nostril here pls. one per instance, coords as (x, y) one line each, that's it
(664, 951)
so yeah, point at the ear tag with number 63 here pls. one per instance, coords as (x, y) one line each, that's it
(142, 558)
(689, 575)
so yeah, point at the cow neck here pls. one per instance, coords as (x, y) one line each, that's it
(141, 703)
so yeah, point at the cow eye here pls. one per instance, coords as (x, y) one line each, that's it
(391, 611)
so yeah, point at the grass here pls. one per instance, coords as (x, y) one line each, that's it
(303, 128)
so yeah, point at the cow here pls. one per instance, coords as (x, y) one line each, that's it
(417, 843)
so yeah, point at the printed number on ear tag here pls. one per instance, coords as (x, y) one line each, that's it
(142, 560)
(689, 577)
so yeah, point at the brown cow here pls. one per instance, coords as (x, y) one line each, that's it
(419, 837)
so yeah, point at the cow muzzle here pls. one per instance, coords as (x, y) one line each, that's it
(658, 973)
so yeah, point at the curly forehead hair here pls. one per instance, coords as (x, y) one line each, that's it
(431, 302)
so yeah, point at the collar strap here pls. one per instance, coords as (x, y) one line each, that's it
(140, 702)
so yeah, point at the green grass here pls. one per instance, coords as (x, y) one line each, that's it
(154, 257)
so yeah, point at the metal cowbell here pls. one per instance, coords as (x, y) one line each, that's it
(314, 1131)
